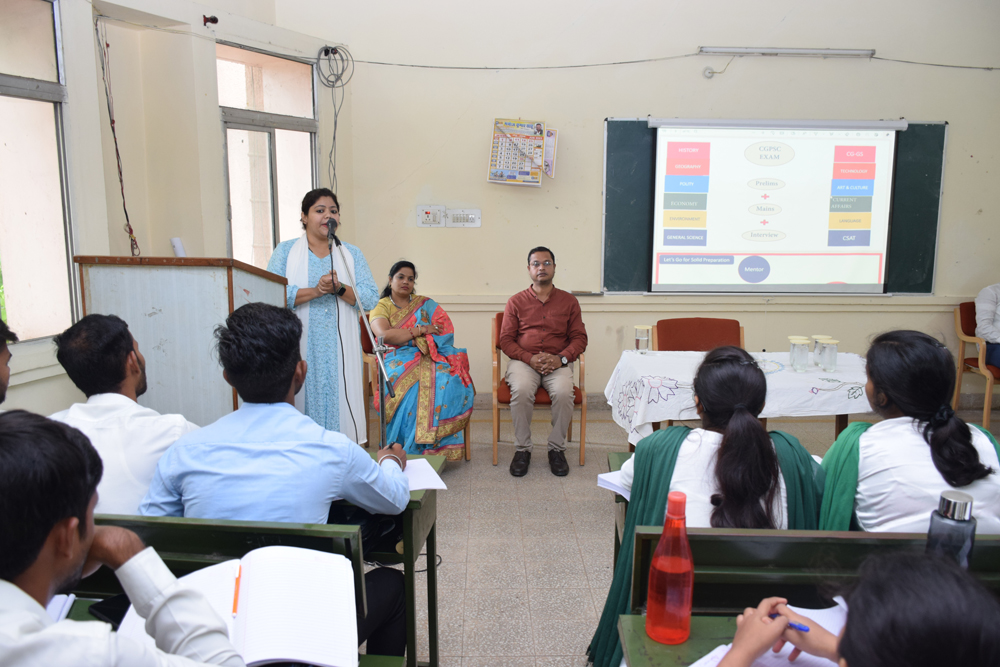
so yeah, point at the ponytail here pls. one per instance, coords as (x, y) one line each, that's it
(731, 389)
(916, 374)
(396, 267)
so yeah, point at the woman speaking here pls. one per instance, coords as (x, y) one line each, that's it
(324, 300)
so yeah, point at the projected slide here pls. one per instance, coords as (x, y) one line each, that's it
(771, 210)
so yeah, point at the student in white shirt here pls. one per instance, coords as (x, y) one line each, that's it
(6, 337)
(988, 321)
(894, 471)
(49, 474)
(103, 360)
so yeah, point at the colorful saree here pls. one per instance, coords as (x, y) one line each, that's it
(431, 378)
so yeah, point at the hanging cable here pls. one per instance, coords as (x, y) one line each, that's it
(334, 68)
(100, 31)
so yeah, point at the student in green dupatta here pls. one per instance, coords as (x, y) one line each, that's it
(736, 474)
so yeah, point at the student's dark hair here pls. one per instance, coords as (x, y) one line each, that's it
(6, 335)
(48, 472)
(93, 352)
(259, 349)
(916, 374)
(732, 389)
(401, 264)
(541, 248)
(314, 196)
(919, 611)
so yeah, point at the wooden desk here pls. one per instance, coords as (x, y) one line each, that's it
(419, 528)
(707, 632)
(79, 612)
(615, 462)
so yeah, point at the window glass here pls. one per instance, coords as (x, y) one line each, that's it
(258, 82)
(252, 221)
(36, 291)
(28, 39)
(294, 164)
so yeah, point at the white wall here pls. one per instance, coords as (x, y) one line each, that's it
(421, 136)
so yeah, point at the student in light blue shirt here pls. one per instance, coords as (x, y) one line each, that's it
(269, 462)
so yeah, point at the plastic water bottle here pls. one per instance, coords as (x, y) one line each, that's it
(671, 578)
(952, 531)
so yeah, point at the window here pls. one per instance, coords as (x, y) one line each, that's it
(35, 283)
(270, 127)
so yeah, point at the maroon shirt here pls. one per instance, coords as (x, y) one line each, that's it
(530, 326)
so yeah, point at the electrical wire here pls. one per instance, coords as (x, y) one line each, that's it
(334, 68)
(917, 62)
(534, 67)
(100, 32)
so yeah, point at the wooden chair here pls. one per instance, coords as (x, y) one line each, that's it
(698, 334)
(186, 545)
(965, 327)
(737, 568)
(694, 334)
(502, 395)
(371, 388)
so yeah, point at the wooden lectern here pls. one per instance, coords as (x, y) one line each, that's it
(172, 306)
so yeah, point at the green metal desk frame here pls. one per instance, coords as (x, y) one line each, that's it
(707, 632)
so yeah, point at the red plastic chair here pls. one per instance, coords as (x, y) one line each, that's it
(501, 395)
(696, 334)
(965, 327)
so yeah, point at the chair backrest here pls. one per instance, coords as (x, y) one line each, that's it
(696, 334)
(497, 326)
(186, 545)
(366, 343)
(967, 316)
(737, 568)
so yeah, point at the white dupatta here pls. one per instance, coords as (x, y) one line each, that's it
(349, 333)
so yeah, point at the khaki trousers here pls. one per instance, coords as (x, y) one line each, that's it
(523, 381)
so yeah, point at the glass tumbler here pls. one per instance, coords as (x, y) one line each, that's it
(642, 332)
(800, 356)
(828, 356)
(818, 341)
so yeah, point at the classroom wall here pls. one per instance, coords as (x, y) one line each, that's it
(421, 136)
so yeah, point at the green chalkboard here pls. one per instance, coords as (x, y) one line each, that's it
(629, 163)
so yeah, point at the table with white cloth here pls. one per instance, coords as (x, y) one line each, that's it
(646, 389)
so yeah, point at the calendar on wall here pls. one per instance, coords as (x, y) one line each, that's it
(517, 152)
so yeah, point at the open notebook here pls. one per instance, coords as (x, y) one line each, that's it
(294, 605)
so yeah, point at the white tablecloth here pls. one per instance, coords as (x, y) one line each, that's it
(657, 386)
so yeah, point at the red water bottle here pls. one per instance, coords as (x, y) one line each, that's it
(671, 578)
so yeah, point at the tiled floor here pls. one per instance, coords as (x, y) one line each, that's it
(527, 561)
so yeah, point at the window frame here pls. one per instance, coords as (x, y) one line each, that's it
(263, 121)
(55, 93)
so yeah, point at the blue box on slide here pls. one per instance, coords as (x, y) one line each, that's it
(846, 237)
(685, 237)
(843, 187)
(686, 184)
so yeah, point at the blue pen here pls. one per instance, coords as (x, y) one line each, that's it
(794, 626)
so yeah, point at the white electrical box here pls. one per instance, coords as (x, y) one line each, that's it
(431, 216)
(464, 217)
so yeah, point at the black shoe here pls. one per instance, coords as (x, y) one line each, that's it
(557, 461)
(519, 466)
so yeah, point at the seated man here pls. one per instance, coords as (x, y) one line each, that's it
(103, 360)
(988, 322)
(49, 475)
(543, 334)
(269, 462)
(6, 337)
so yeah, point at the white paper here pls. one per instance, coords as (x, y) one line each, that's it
(59, 606)
(831, 619)
(421, 475)
(549, 150)
(612, 481)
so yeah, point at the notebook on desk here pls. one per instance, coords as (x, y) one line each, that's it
(292, 604)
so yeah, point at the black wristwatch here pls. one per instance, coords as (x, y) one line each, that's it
(343, 288)
(565, 361)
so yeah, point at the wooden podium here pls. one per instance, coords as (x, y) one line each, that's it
(172, 306)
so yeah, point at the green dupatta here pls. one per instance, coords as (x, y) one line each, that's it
(841, 466)
(655, 458)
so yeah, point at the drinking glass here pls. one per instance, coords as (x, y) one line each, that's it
(828, 356)
(800, 356)
(642, 338)
(818, 341)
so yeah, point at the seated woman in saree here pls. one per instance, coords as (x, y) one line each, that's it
(430, 376)
(735, 475)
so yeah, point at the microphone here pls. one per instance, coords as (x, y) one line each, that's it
(331, 231)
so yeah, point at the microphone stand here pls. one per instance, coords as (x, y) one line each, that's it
(378, 344)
